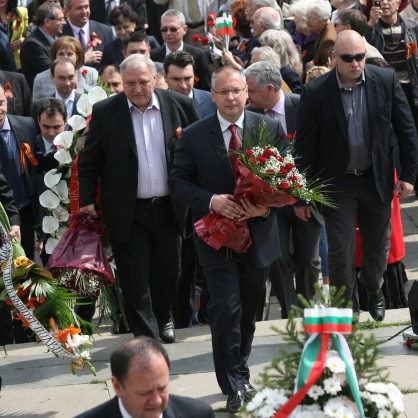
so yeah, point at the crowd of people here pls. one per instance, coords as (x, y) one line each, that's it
(338, 77)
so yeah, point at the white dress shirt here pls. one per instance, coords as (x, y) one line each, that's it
(150, 144)
(123, 411)
(69, 102)
(279, 111)
(225, 129)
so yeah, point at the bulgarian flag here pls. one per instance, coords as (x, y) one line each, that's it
(323, 324)
(224, 26)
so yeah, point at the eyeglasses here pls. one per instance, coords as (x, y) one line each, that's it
(61, 19)
(114, 84)
(225, 93)
(252, 21)
(350, 58)
(170, 29)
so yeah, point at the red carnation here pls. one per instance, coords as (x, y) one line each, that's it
(289, 137)
(84, 73)
(262, 159)
(249, 153)
(284, 184)
(289, 166)
(196, 37)
(267, 153)
(205, 41)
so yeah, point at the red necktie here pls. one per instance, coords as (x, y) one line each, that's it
(234, 145)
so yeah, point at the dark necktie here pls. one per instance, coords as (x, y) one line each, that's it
(81, 38)
(271, 113)
(108, 9)
(9, 169)
(234, 145)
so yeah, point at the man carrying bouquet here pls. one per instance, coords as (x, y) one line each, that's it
(202, 177)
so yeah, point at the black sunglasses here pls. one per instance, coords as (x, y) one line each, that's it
(171, 29)
(350, 58)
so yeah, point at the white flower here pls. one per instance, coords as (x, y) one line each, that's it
(60, 214)
(49, 200)
(64, 139)
(315, 392)
(77, 123)
(61, 189)
(51, 178)
(76, 339)
(49, 224)
(335, 364)
(309, 411)
(60, 232)
(85, 355)
(376, 387)
(84, 107)
(268, 400)
(266, 412)
(96, 94)
(63, 156)
(50, 245)
(384, 413)
(396, 397)
(334, 408)
(380, 400)
(332, 386)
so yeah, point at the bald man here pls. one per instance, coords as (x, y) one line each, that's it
(344, 138)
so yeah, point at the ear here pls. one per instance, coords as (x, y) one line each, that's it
(117, 386)
(185, 28)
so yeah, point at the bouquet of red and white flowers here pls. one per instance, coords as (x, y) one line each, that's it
(266, 177)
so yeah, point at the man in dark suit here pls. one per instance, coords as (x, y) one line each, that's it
(299, 240)
(173, 29)
(35, 50)
(19, 98)
(135, 201)
(63, 75)
(344, 138)
(203, 178)
(100, 10)
(92, 35)
(141, 378)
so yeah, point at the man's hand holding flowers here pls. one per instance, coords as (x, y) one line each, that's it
(226, 206)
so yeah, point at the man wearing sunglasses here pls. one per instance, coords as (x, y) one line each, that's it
(344, 138)
(173, 28)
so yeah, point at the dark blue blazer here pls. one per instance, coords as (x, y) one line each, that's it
(201, 169)
(203, 103)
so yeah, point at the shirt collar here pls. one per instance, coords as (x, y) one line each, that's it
(154, 103)
(76, 29)
(361, 80)
(70, 98)
(169, 51)
(6, 125)
(47, 36)
(279, 106)
(226, 123)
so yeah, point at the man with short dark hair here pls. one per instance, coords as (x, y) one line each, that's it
(141, 379)
(173, 29)
(110, 74)
(35, 50)
(136, 43)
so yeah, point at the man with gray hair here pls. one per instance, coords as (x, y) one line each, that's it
(129, 147)
(266, 96)
(173, 29)
(34, 53)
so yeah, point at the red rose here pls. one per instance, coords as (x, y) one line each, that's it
(289, 166)
(205, 41)
(267, 153)
(284, 184)
(84, 73)
(289, 137)
(262, 159)
(196, 37)
(252, 160)
(249, 153)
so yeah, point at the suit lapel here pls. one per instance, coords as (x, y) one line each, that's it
(125, 123)
(334, 95)
(290, 114)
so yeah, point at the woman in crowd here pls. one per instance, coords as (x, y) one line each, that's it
(291, 65)
(318, 22)
(15, 22)
(68, 47)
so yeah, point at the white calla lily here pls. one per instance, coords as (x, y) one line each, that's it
(60, 214)
(84, 107)
(77, 123)
(60, 232)
(61, 189)
(76, 339)
(64, 139)
(49, 200)
(63, 156)
(50, 245)
(52, 178)
(96, 94)
(49, 224)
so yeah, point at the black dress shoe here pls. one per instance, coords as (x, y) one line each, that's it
(377, 306)
(167, 333)
(249, 391)
(235, 401)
